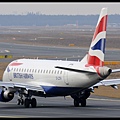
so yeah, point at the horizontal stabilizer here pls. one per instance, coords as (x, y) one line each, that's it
(115, 70)
(108, 82)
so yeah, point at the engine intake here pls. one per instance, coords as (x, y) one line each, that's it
(6, 96)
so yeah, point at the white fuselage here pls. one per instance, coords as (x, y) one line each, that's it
(43, 73)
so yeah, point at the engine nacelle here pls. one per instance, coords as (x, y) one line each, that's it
(6, 96)
(104, 72)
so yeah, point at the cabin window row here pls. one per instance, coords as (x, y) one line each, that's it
(37, 71)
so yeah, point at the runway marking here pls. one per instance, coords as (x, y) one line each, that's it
(6, 103)
(27, 116)
(7, 51)
(103, 99)
(104, 108)
(2, 116)
(21, 116)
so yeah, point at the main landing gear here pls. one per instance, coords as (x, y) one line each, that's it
(80, 97)
(77, 101)
(27, 101)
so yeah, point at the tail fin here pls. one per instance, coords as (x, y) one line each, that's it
(96, 51)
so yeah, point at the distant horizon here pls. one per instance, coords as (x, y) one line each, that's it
(58, 8)
(54, 20)
(37, 13)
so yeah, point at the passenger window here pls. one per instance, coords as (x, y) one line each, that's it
(38, 70)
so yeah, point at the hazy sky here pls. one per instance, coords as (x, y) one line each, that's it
(61, 8)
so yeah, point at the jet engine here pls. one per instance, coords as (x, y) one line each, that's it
(104, 72)
(6, 96)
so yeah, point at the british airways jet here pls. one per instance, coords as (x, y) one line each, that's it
(49, 78)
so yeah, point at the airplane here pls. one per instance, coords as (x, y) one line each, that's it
(28, 78)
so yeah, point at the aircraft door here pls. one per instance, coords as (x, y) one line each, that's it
(66, 75)
(9, 74)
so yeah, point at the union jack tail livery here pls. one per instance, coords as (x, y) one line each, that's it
(97, 48)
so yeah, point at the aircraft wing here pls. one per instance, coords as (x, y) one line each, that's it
(32, 87)
(108, 82)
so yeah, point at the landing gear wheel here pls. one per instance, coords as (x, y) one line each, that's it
(76, 102)
(83, 102)
(27, 103)
(33, 103)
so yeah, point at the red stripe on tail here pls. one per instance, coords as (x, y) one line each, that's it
(101, 26)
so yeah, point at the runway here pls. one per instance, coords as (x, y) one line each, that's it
(51, 52)
(58, 107)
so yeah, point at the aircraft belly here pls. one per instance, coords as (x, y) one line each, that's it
(59, 91)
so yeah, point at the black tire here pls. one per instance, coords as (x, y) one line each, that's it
(27, 103)
(33, 102)
(83, 102)
(76, 102)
